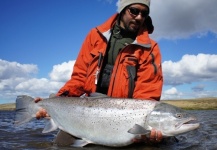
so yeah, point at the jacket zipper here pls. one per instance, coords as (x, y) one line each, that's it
(98, 68)
(100, 60)
(115, 72)
(113, 51)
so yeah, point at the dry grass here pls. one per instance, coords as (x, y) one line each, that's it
(194, 104)
(190, 104)
(10, 106)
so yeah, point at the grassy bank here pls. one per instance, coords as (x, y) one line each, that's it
(10, 106)
(195, 104)
(190, 104)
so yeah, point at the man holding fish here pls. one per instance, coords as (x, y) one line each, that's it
(119, 59)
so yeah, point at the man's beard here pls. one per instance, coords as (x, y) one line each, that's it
(128, 29)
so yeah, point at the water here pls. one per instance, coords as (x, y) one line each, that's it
(29, 136)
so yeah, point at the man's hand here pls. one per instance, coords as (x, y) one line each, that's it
(42, 112)
(155, 137)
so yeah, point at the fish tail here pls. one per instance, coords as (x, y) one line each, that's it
(26, 109)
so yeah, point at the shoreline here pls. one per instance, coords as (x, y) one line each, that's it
(188, 104)
(195, 104)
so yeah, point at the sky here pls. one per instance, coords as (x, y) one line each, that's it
(40, 41)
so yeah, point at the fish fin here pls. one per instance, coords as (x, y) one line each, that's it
(94, 95)
(23, 114)
(98, 95)
(50, 126)
(64, 139)
(83, 96)
(80, 143)
(52, 95)
(137, 129)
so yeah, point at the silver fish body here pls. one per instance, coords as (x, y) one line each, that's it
(106, 121)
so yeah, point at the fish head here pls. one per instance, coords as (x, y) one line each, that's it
(171, 120)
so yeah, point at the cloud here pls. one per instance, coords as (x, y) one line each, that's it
(171, 93)
(198, 88)
(38, 87)
(62, 72)
(13, 73)
(176, 19)
(18, 79)
(191, 68)
(14, 69)
(198, 91)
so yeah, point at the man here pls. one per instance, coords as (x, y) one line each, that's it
(119, 59)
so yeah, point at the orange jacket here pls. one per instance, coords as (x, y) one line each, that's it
(143, 54)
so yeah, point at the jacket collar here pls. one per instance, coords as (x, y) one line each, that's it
(142, 38)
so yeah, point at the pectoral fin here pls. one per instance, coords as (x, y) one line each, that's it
(137, 129)
(64, 139)
(98, 95)
(50, 126)
(80, 143)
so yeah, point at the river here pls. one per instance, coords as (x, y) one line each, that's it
(29, 136)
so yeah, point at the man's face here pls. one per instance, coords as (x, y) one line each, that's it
(133, 17)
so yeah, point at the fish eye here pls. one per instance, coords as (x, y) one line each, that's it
(179, 115)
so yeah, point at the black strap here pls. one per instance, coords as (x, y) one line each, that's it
(132, 74)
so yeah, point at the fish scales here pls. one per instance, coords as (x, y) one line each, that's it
(99, 120)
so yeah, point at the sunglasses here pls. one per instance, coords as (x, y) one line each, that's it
(135, 12)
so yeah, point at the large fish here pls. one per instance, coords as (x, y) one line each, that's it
(106, 121)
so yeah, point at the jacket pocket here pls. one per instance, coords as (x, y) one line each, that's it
(129, 72)
(106, 76)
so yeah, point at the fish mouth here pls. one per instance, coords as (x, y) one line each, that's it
(188, 123)
(183, 126)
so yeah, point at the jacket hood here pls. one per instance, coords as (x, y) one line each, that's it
(142, 38)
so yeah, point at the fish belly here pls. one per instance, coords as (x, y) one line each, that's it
(99, 125)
